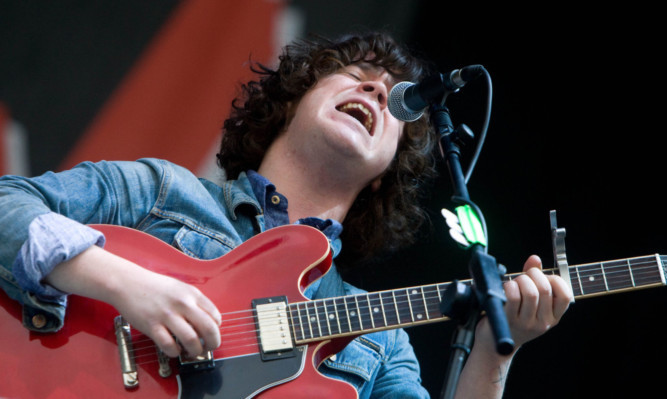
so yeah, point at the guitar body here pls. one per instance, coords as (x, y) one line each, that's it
(82, 359)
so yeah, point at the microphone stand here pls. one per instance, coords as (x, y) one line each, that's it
(486, 294)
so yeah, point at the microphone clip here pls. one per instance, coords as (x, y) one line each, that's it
(407, 100)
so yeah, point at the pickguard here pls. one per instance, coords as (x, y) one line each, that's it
(240, 377)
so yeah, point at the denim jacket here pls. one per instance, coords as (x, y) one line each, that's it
(201, 219)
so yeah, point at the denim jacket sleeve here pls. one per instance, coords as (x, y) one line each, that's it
(52, 239)
(88, 193)
(200, 218)
(380, 366)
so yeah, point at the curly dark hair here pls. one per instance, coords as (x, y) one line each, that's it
(378, 221)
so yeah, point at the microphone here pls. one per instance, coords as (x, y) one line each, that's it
(408, 100)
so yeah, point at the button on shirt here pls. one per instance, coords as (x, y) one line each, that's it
(275, 207)
(273, 203)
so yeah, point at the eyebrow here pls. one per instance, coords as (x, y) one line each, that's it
(366, 66)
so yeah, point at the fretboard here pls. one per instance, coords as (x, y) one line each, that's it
(593, 279)
(367, 312)
(363, 313)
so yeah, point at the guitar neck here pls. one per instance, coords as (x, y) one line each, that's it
(595, 279)
(363, 313)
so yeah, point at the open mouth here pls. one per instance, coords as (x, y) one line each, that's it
(360, 113)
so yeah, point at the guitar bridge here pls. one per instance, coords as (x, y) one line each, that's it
(275, 339)
(126, 353)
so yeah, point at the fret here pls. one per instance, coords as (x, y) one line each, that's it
(308, 330)
(433, 299)
(342, 315)
(365, 312)
(311, 311)
(578, 283)
(618, 274)
(398, 313)
(409, 301)
(404, 312)
(389, 311)
(604, 277)
(416, 302)
(660, 268)
(424, 303)
(352, 307)
(632, 277)
(332, 317)
(300, 323)
(553, 272)
(375, 310)
(295, 322)
(308, 324)
(347, 314)
(322, 315)
(591, 278)
(647, 271)
(382, 309)
(322, 319)
(335, 309)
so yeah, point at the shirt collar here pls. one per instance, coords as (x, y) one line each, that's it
(262, 187)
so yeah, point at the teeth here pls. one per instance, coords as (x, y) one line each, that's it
(368, 120)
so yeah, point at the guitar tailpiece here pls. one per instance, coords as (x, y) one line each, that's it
(126, 353)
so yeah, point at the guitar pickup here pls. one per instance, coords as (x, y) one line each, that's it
(275, 339)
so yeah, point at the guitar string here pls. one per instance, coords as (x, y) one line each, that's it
(605, 276)
(251, 334)
(604, 270)
(609, 276)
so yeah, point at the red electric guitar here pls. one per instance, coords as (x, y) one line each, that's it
(273, 338)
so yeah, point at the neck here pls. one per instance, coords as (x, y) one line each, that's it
(312, 188)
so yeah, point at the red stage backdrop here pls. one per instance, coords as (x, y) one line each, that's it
(173, 101)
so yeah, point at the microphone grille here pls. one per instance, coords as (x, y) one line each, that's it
(396, 103)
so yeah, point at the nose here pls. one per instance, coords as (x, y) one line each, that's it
(378, 90)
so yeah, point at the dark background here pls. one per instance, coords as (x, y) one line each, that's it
(575, 127)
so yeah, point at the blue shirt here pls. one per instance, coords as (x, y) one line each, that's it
(202, 219)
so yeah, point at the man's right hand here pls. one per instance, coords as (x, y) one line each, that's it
(175, 315)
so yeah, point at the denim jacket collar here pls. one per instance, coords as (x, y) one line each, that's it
(238, 193)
